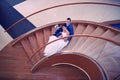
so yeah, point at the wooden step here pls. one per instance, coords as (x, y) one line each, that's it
(40, 38)
(88, 30)
(47, 32)
(78, 30)
(110, 59)
(75, 25)
(96, 44)
(52, 29)
(33, 42)
(34, 45)
(28, 49)
(116, 38)
(99, 31)
(95, 48)
(109, 34)
(95, 51)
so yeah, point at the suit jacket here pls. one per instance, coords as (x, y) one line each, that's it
(69, 28)
(58, 32)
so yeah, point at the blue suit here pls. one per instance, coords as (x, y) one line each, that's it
(58, 32)
(69, 28)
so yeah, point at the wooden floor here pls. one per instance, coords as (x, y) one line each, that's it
(14, 65)
(61, 72)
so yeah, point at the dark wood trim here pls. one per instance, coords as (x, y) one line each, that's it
(110, 22)
(91, 67)
(67, 4)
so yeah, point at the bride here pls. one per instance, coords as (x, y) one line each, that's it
(58, 45)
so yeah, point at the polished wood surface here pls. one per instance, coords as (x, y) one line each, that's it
(14, 64)
(111, 22)
(60, 72)
(103, 47)
(82, 62)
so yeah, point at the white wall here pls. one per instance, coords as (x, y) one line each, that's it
(4, 38)
(97, 13)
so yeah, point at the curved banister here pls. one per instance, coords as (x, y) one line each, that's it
(110, 22)
(67, 4)
(93, 70)
(61, 22)
(76, 35)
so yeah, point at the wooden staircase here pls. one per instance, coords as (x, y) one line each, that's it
(105, 53)
(14, 65)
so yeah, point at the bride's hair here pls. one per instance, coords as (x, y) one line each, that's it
(64, 25)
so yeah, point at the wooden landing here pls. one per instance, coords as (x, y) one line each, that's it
(61, 72)
(14, 65)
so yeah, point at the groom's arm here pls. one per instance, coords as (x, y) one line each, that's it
(71, 30)
(58, 32)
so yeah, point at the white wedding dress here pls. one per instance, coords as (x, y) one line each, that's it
(56, 46)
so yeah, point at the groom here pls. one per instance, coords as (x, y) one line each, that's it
(69, 28)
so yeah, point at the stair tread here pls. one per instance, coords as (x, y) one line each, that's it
(27, 47)
(110, 58)
(81, 40)
(97, 32)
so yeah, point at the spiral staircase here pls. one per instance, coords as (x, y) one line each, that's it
(92, 54)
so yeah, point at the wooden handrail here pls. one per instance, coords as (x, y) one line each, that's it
(61, 22)
(110, 22)
(67, 4)
(76, 35)
(77, 60)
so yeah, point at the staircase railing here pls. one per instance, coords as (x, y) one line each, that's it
(78, 60)
(76, 35)
(61, 22)
(67, 4)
